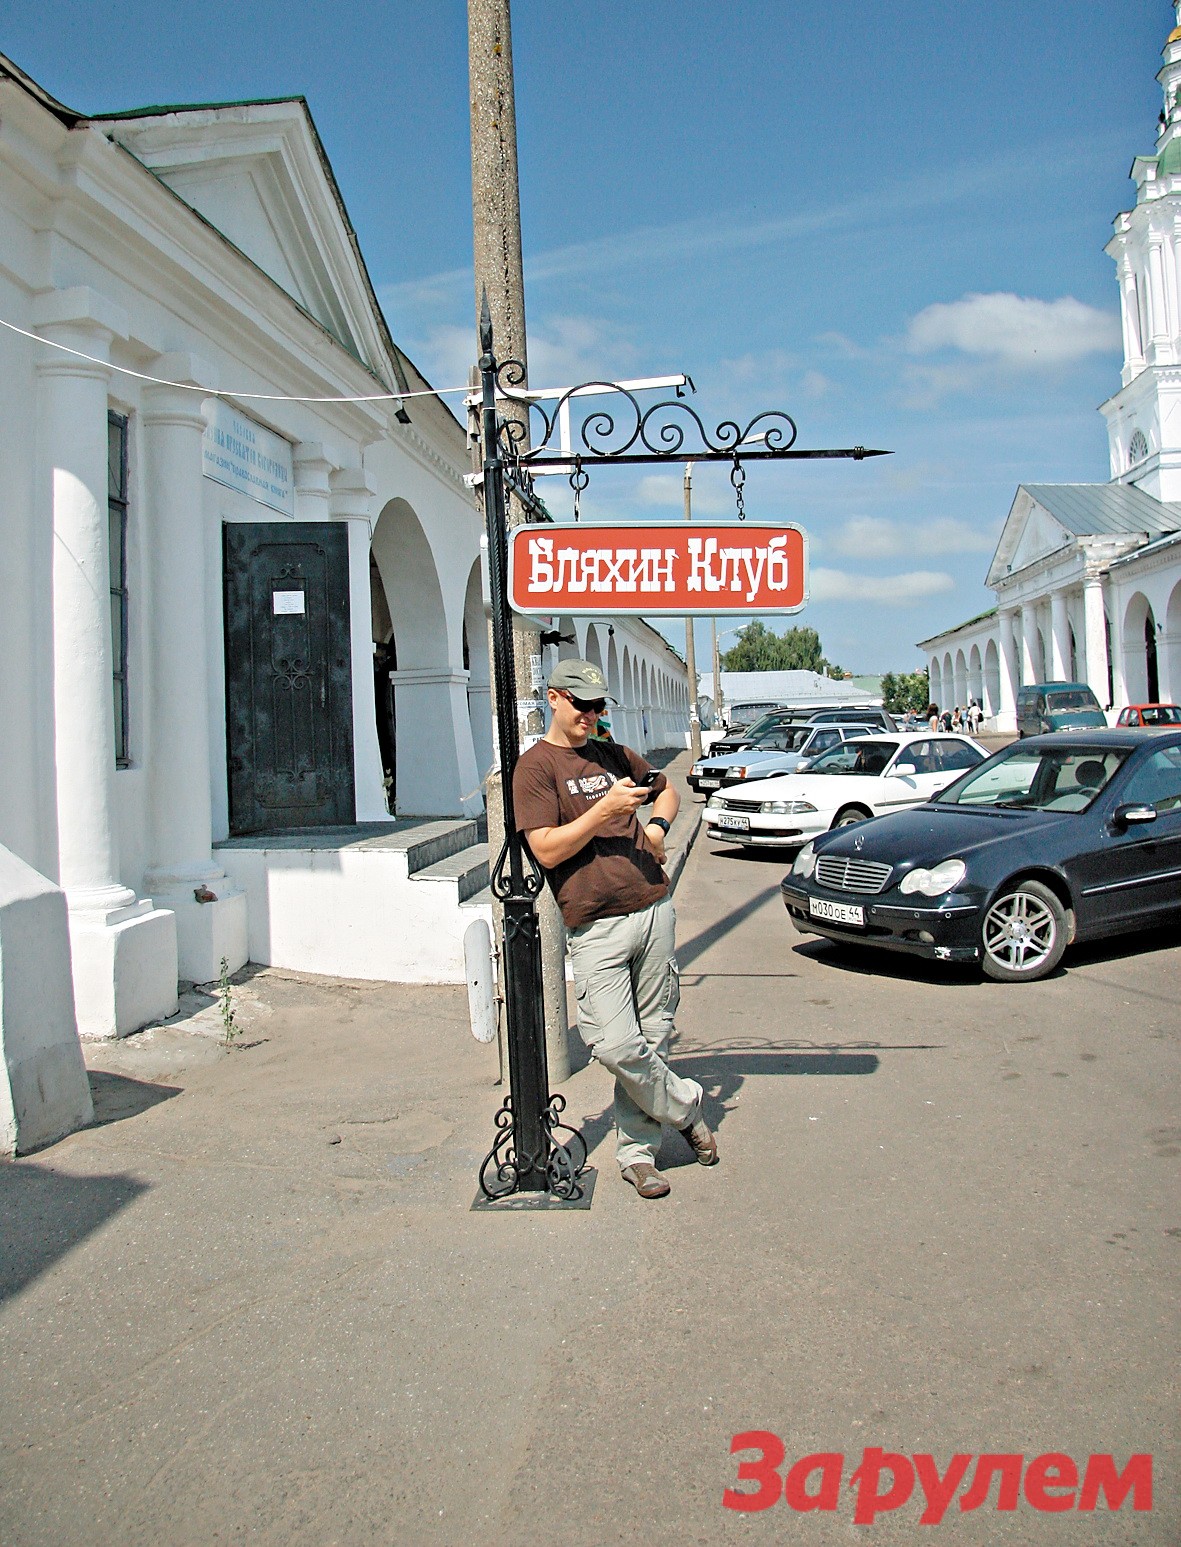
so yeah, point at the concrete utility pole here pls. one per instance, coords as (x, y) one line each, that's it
(496, 228)
(717, 675)
(690, 642)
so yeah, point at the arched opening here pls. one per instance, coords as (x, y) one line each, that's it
(408, 600)
(961, 681)
(385, 661)
(1141, 670)
(975, 676)
(645, 707)
(1172, 645)
(935, 682)
(477, 664)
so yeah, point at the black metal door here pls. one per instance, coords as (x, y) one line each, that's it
(289, 699)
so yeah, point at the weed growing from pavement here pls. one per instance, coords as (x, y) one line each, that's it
(226, 995)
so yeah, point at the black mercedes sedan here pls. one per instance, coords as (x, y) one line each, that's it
(1051, 840)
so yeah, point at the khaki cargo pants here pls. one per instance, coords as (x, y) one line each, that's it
(626, 980)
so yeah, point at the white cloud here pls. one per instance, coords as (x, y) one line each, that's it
(837, 585)
(1015, 330)
(877, 537)
(563, 351)
(667, 490)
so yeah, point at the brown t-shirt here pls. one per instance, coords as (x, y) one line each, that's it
(615, 872)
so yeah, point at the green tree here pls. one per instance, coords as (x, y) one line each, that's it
(909, 691)
(796, 649)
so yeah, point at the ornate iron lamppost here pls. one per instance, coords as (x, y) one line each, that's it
(535, 1157)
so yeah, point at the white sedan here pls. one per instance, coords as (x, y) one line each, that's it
(860, 779)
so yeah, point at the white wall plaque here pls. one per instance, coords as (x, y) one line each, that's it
(287, 602)
(244, 455)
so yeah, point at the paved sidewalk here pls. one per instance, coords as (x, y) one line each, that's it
(251, 1303)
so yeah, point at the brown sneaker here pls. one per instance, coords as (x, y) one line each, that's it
(701, 1141)
(646, 1180)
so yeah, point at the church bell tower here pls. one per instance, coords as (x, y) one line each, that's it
(1144, 417)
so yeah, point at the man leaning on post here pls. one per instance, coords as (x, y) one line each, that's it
(577, 802)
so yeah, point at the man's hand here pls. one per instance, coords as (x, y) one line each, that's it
(625, 797)
(654, 838)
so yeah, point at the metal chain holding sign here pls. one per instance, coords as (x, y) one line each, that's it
(738, 478)
(578, 482)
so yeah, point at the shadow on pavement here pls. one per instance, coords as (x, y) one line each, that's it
(868, 962)
(116, 1097)
(44, 1215)
(690, 950)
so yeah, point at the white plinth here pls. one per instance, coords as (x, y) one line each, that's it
(44, 1092)
(125, 973)
(208, 931)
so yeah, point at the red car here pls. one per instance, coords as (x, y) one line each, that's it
(1155, 716)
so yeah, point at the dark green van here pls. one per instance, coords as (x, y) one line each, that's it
(1057, 706)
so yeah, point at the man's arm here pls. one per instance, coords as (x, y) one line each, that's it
(666, 805)
(552, 845)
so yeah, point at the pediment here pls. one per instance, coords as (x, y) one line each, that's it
(257, 174)
(1030, 533)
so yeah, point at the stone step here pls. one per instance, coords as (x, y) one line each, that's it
(436, 843)
(467, 869)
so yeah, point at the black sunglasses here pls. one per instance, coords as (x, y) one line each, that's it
(585, 705)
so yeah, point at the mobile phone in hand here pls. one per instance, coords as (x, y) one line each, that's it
(646, 781)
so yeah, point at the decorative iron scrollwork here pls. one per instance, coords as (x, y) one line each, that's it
(292, 674)
(563, 1163)
(665, 429)
(501, 881)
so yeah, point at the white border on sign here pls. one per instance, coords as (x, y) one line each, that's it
(605, 606)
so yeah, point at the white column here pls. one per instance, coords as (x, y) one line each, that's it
(211, 921)
(1158, 324)
(350, 496)
(1006, 713)
(1029, 668)
(1168, 660)
(1096, 638)
(314, 465)
(123, 951)
(1059, 638)
(436, 774)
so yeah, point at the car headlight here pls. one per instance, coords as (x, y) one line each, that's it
(787, 807)
(695, 771)
(805, 861)
(933, 883)
(714, 803)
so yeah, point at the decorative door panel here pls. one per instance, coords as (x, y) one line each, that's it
(289, 701)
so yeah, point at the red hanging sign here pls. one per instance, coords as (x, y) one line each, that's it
(669, 568)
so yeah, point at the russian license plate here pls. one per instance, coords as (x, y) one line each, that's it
(837, 912)
(709, 784)
(740, 824)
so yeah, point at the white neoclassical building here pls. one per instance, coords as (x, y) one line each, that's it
(1088, 576)
(246, 689)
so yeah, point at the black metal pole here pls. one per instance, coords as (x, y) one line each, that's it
(528, 1156)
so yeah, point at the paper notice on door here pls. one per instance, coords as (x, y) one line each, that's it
(287, 602)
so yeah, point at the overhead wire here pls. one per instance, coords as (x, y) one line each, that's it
(225, 392)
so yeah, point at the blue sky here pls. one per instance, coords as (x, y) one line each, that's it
(886, 219)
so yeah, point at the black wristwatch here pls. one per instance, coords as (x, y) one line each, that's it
(658, 821)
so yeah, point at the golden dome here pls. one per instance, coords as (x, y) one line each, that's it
(1173, 37)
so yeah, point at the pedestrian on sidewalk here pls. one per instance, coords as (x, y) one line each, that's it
(577, 802)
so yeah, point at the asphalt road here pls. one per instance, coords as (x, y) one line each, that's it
(253, 1305)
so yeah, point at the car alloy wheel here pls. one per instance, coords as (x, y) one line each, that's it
(1024, 934)
(850, 815)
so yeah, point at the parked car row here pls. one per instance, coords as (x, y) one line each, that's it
(782, 749)
(922, 843)
(854, 780)
(840, 714)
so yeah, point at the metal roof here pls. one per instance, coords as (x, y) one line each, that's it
(1106, 509)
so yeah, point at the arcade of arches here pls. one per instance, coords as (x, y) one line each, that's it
(434, 716)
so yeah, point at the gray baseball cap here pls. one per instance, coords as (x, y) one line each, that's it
(582, 678)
